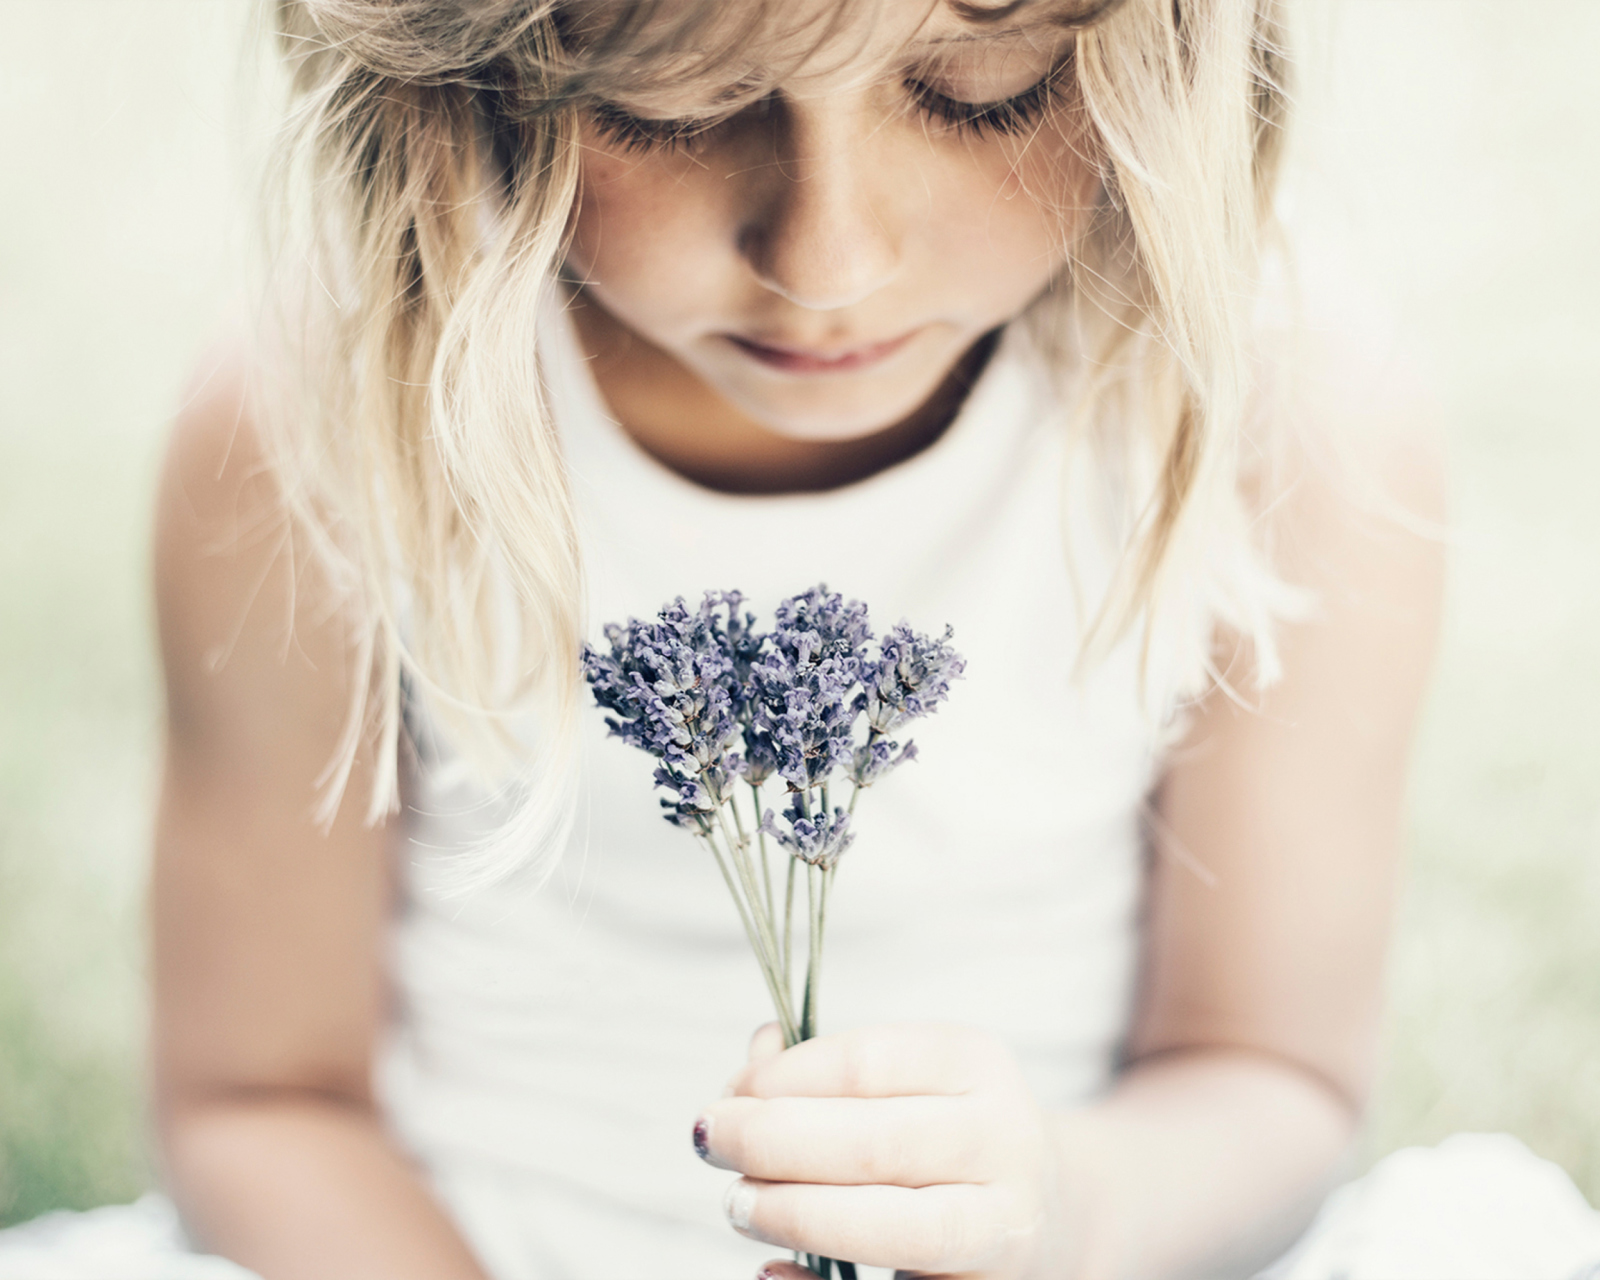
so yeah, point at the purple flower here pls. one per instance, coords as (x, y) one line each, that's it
(742, 643)
(803, 714)
(877, 758)
(692, 685)
(911, 677)
(760, 759)
(819, 838)
(817, 625)
(675, 687)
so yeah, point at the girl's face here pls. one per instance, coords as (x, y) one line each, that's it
(823, 258)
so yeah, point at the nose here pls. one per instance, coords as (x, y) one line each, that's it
(822, 228)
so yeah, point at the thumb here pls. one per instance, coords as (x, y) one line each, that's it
(766, 1043)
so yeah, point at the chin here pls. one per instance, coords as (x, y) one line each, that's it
(828, 409)
(828, 424)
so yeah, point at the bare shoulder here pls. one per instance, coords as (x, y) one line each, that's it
(248, 637)
(1355, 430)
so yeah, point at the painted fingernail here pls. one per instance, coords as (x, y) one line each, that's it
(702, 1138)
(738, 1204)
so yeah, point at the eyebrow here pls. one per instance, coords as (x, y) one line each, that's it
(976, 37)
(1081, 14)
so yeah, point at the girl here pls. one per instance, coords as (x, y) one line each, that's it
(966, 307)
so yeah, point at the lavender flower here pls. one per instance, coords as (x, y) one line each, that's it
(674, 685)
(760, 759)
(911, 678)
(801, 687)
(818, 839)
(877, 758)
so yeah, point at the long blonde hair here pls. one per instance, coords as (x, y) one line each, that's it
(425, 176)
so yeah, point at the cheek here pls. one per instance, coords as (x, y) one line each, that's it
(649, 237)
(1008, 211)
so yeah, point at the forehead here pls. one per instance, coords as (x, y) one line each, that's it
(651, 48)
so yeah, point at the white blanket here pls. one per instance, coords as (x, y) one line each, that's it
(1476, 1207)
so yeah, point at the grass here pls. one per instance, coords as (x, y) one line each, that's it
(1452, 145)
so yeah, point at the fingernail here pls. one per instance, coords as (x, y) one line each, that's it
(738, 1204)
(702, 1138)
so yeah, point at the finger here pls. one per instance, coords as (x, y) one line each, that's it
(907, 1142)
(948, 1228)
(783, 1269)
(879, 1062)
(767, 1042)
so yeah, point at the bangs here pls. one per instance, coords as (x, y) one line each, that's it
(651, 48)
(738, 52)
(552, 52)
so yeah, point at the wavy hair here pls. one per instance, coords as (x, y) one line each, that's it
(424, 177)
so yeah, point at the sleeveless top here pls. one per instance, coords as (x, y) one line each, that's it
(550, 1051)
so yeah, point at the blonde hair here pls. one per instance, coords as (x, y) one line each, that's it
(424, 180)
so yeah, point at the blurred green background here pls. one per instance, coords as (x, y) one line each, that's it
(1455, 137)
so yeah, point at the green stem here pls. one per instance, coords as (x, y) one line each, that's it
(780, 998)
(855, 788)
(808, 1018)
(766, 867)
(739, 852)
(788, 926)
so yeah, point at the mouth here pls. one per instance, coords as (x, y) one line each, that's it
(812, 360)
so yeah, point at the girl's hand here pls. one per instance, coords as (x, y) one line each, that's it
(916, 1147)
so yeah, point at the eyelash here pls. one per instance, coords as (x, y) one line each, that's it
(638, 133)
(975, 119)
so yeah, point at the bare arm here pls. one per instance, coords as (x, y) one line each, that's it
(269, 987)
(1278, 835)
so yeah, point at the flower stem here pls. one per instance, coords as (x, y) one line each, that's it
(855, 787)
(780, 997)
(788, 926)
(739, 851)
(766, 867)
(808, 1017)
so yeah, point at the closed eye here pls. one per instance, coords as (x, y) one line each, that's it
(1007, 115)
(646, 133)
(1011, 115)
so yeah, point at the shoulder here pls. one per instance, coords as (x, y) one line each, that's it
(1350, 430)
(1290, 800)
(250, 642)
(216, 506)
(214, 471)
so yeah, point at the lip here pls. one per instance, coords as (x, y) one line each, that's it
(787, 358)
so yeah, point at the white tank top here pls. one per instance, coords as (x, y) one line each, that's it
(550, 1052)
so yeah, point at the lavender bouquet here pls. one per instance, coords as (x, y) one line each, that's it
(725, 709)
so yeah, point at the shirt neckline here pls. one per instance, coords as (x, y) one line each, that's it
(596, 444)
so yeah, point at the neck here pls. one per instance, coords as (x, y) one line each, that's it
(684, 424)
